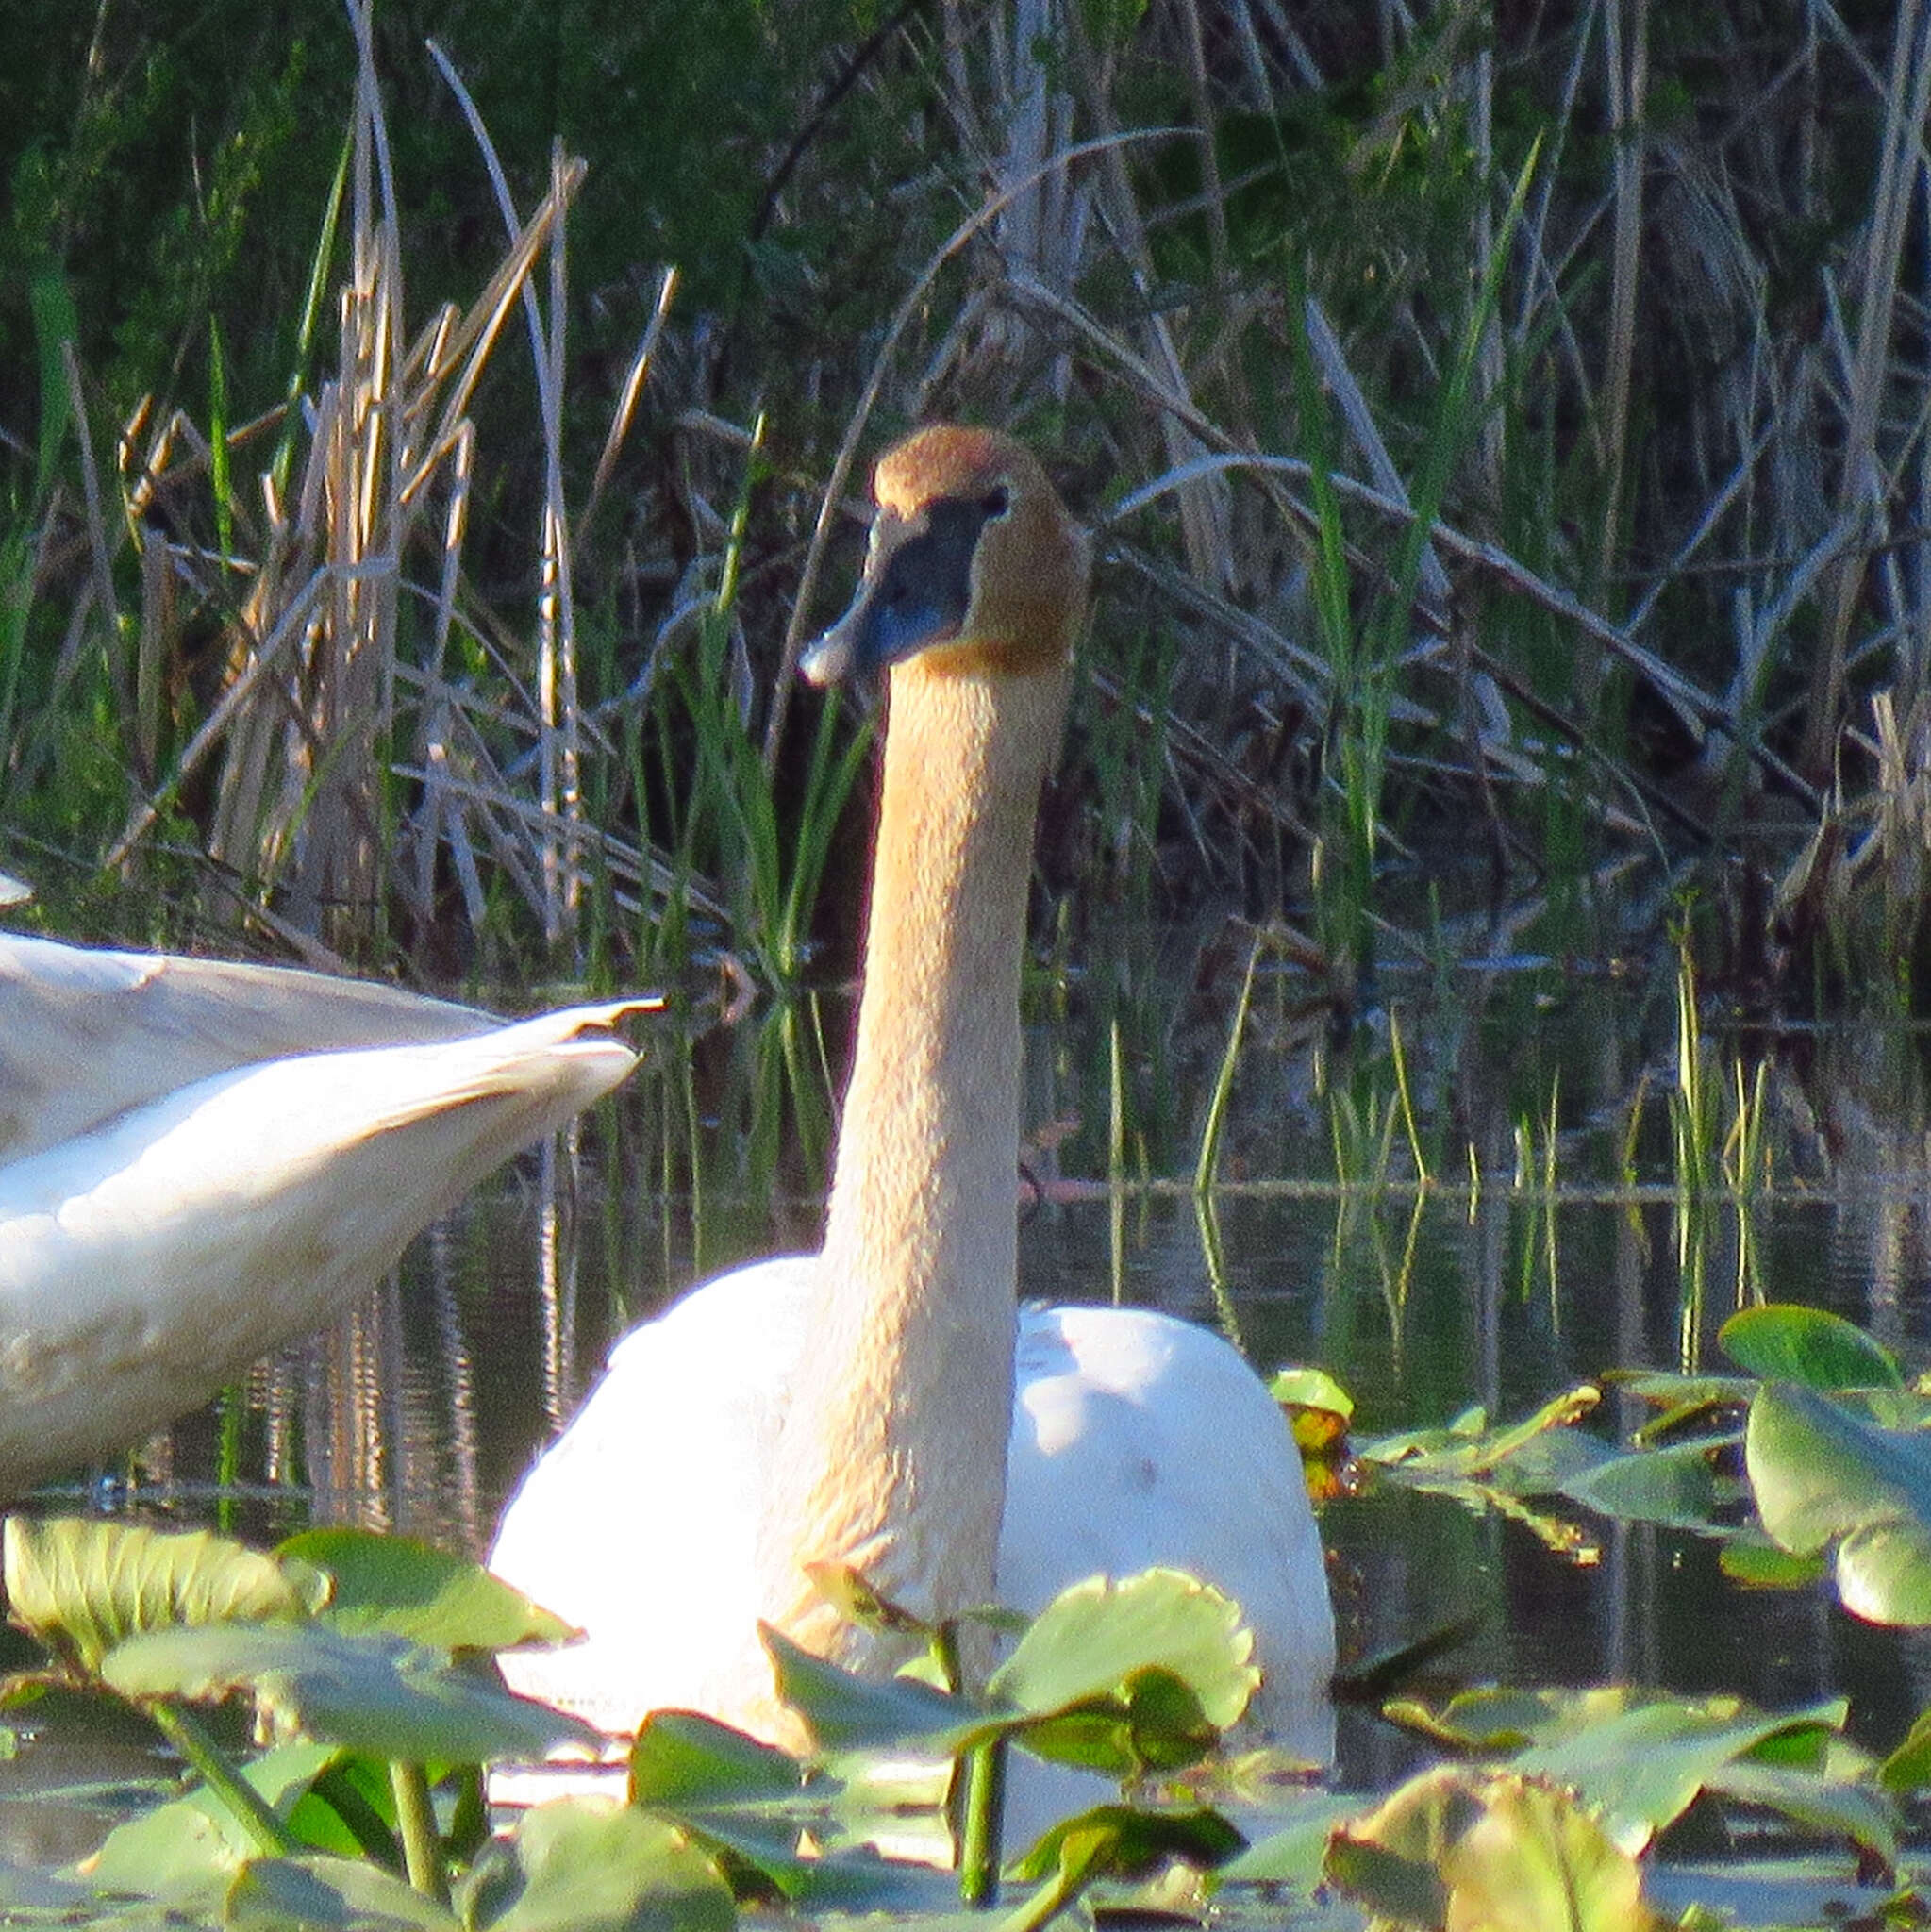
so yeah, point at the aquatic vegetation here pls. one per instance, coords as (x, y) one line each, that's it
(364, 1660)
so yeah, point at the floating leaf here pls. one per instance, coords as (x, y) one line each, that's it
(320, 1895)
(394, 1583)
(846, 1712)
(81, 1586)
(594, 1865)
(1677, 1486)
(682, 1758)
(1469, 1448)
(1120, 1841)
(186, 1853)
(1129, 1676)
(1781, 1342)
(1764, 1565)
(1090, 1639)
(1908, 1767)
(1319, 1409)
(1639, 1769)
(375, 1694)
(1837, 1806)
(1820, 1476)
(1292, 1855)
(1506, 1853)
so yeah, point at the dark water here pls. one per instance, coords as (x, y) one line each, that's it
(419, 1409)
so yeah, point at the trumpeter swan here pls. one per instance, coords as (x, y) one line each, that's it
(886, 1404)
(187, 1183)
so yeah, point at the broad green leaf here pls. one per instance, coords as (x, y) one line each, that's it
(373, 1693)
(1507, 1854)
(750, 1806)
(1122, 1841)
(1677, 1485)
(1319, 1409)
(1908, 1767)
(186, 1853)
(683, 1759)
(1763, 1565)
(1640, 1769)
(394, 1583)
(846, 1712)
(1781, 1342)
(1292, 1855)
(1305, 1388)
(1496, 1718)
(1468, 1448)
(594, 1865)
(1093, 1638)
(1820, 1476)
(1830, 1806)
(321, 1894)
(81, 1585)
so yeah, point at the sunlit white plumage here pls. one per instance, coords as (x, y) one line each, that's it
(885, 1404)
(186, 1181)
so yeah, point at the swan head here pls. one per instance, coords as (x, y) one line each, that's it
(975, 565)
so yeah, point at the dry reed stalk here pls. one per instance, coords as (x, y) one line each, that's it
(1861, 481)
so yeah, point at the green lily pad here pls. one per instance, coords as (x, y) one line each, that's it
(1459, 1847)
(1292, 1855)
(1823, 1476)
(1677, 1486)
(1760, 1564)
(1468, 1448)
(594, 1865)
(846, 1712)
(1639, 1769)
(323, 1894)
(395, 1584)
(1122, 1841)
(81, 1586)
(375, 1694)
(1093, 1638)
(1781, 1342)
(187, 1853)
(682, 1758)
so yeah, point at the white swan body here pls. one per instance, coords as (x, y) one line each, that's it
(167, 1215)
(884, 1404)
(1136, 1438)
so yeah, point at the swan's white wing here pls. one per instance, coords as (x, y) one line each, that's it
(639, 1524)
(87, 1034)
(143, 1265)
(1141, 1439)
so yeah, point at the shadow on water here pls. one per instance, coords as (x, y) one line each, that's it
(1552, 1239)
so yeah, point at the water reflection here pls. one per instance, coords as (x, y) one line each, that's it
(420, 1408)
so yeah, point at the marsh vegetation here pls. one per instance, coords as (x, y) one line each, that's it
(1498, 759)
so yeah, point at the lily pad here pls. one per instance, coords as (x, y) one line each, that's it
(82, 1586)
(1092, 1639)
(1823, 1476)
(375, 1694)
(1781, 1342)
(683, 1758)
(323, 1894)
(846, 1712)
(594, 1865)
(1457, 1847)
(187, 1853)
(395, 1584)
(1130, 1676)
(1677, 1486)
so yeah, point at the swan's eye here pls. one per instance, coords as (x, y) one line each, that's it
(995, 503)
